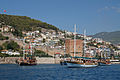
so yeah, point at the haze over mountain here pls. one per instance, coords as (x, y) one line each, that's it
(113, 37)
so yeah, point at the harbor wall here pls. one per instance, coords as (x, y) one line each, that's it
(8, 60)
(41, 60)
(48, 60)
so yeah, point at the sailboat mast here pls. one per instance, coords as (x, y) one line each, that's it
(31, 48)
(74, 40)
(23, 48)
(64, 45)
(64, 50)
(84, 50)
(31, 44)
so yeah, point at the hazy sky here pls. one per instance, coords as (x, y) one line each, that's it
(92, 15)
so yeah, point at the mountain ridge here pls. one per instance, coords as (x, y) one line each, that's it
(113, 37)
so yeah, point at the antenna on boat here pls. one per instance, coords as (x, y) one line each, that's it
(74, 40)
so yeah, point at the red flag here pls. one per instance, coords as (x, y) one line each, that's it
(4, 10)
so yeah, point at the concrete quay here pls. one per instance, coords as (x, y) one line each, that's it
(8, 60)
(40, 60)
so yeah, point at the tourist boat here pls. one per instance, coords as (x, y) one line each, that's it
(104, 62)
(63, 62)
(83, 61)
(27, 62)
(115, 61)
(28, 57)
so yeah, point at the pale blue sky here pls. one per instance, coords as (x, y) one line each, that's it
(92, 15)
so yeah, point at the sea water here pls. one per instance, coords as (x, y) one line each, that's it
(58, 72)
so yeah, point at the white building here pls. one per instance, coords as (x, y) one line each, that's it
(98, 40)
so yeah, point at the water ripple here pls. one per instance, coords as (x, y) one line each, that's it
(58, 72)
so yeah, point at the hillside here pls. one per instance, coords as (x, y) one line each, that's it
(24, 23)
(113, 37)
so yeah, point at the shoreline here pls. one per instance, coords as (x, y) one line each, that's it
(40, 60)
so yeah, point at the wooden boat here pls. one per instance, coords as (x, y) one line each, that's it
(28, 56)
(81, 62)
(27, 62)
(104, 62)
(115, 61)
(64, 62)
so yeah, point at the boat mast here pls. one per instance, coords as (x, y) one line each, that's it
(64, 45)
(23, 48)
(64, 51)
(31, 46)
(74, 40)
(84, 50)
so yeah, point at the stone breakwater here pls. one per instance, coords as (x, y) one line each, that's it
(42, 60)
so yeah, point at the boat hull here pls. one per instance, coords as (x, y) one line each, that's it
(103, 64)
(27, 64)
(63, 62)
(74, 65)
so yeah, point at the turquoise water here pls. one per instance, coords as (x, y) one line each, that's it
(58, 72)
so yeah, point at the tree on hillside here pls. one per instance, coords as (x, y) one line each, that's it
(41, 54)
(11, 45)
(17, 33)
(44, 40)
(1, 48)
(3, 37)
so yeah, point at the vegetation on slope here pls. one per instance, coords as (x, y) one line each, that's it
(11, 45)
(41, 54)
(24, 23)
(3, 37)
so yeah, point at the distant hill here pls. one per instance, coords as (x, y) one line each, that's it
(24, 23)
(113, 37)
